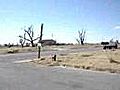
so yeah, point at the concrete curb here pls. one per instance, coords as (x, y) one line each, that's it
(23, 61)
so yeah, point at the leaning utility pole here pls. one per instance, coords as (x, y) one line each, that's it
(40, 41)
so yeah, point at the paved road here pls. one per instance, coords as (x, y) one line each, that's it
(24, 76)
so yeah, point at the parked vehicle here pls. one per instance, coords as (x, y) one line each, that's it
(110, 45)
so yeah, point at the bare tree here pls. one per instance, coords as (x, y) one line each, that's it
(22, 40)
(81, 37)
(30, 34)
(78, 41)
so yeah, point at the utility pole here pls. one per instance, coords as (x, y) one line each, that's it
(40, 40)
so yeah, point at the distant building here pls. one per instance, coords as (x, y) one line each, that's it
(48, 42)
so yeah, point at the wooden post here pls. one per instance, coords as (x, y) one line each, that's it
(40, 41)
(39, 49)
(54, 57)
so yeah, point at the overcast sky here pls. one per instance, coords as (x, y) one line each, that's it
(62, 18)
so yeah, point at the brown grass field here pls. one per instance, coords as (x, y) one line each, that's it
(108, 61)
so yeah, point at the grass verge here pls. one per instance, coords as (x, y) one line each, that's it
(108, 61)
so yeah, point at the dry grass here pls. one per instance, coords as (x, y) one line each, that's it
(17, 50)
(99, 60)
(5, 50)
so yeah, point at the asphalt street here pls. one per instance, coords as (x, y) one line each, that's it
(25, 76)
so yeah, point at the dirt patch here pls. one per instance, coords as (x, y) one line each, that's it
(47, 61)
